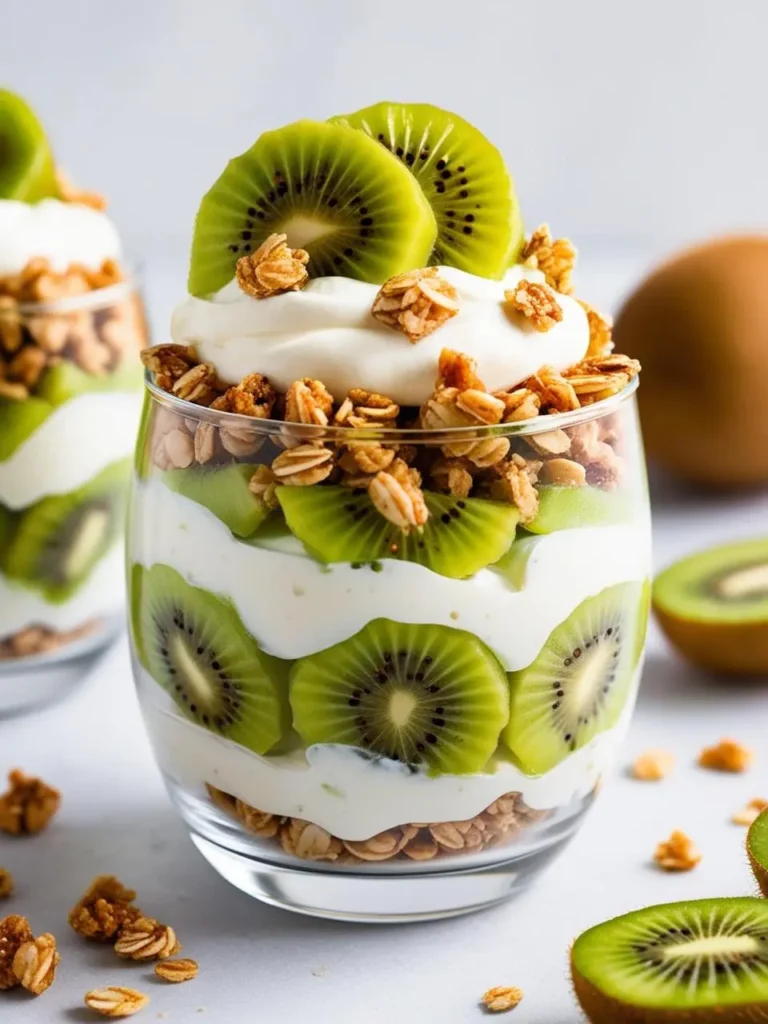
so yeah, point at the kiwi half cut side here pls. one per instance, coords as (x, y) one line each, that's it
(196, 647)
(428, 696)
(579, 684)
(27, 168)
(463, 175)
(757, 849)
(334, 192)
(224, 491)
(702, 961)
(713, 607)
(461, 536)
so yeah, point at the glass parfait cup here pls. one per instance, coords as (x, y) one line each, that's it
(367, 721)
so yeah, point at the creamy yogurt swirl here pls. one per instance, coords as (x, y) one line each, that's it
(327, 332)
(62, 233)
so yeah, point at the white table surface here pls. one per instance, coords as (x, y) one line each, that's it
(262, 965)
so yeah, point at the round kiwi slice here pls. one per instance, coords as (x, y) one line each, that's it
(195, 646)
(463, 175)
(27, 169)
(461, 536)
(428, 696)
(579, 683)
(224, 491)
(59, 540)
(353, 207)
(713, 607)
(757, 849)
(701, 960)
(568, 508)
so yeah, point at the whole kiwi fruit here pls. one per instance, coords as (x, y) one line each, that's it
(699, 326)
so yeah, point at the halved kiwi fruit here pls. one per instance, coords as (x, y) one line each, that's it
(570, 508)
(18, 421)
(701, 960)
(65, 381)
(757, 849)
(461, 536)
(334, 192)
(27, 168)
(223, 490)
(463, 175)
(579, 683)
(713, 607)
(59, 540)
(197, 648)
(426, 695)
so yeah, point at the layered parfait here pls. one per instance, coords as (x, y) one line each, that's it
(390, 542)
(71, 329)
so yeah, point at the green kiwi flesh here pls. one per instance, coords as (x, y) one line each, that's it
(569, 508)
(224, 491)
(426, 695)
(18, 421)
(196, 647)
(700, 961)
(334, 192)
(757, 848)
(65, 381)
(27, 168)
(461, 536)
(7, 527)
(59, 540)
(580, 681)
(463, 175)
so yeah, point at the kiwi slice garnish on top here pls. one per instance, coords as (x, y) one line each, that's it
(194, 644)
(702, 961)
(428, 696)
(757, 849)
(463, 175)
(334, 192)
(27, 168)
(579, 683)
(338, 524)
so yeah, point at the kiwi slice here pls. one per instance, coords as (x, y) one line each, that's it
(701, 960)
(579, 683)
(713, 607)
(757, 849)
(27, 169)
(197, 648)
(461, 536)
(479, 227)
(18, 421)
(7, 527)
(59, 540)
(429, 696)
(64, 381)
(353, 207)
(568, 508)
(223, 490)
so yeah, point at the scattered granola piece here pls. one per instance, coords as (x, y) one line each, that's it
(104, 909)
(6, 884)
(176, 970)
(457, 370)
(303, 466)
(254, 396)
(519, 404)
(416, 303)
(396, 493)
(502, 998)
(537, 303)
(35, 963)
(564, 473)
(28, 806)
(749, 814)
(556, 259)
(14, 932)
(311, 842)
(308, 401)
(600, 330)
(555, 392)
(653, 765)
(727, 756)
(146, 939)
(678, 853)
(115, 1001)
(273, 269)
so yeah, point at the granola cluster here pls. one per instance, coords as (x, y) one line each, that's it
(26, 961)
(41, 640)
(28, 805)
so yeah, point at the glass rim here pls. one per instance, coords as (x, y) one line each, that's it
(270, 427)
(93, 299)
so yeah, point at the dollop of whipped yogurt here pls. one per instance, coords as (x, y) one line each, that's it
(327, 332)
(63, 233)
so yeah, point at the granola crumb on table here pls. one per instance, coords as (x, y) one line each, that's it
(115, 1001)
(653, 765)
(146, 939)
(751, 812)
(177, 971)
(502, 998)
(6, 884)
(35, 963)
(726, 756)
(678, 853)
(28, 805)
(104, 909)
(14, 932)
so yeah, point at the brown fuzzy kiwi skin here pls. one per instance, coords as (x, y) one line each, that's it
(731, 648)
(760, 871)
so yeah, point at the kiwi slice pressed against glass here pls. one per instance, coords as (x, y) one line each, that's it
(18, 421)
(461, 536)
(334, 192)
(224, 491)
(195, 646)
(713, 607)
(428, 696)
(700, 961)
(65, 381)
(579, 684)
(27, 169)
(58, 541)
(463, 175)
(7, 526)
(757, 849)
(570, 508)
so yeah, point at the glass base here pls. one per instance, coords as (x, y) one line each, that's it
(29, 683)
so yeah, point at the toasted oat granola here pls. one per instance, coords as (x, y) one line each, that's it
(6, 884)
(177, 971)
(537, 302)
(146, 939)
(555, 258)
(502, 998)
(653, 765)
(273, 269)
(28, 806)
(115, 1001)
(678, 853)
(14, 932)
(35, 963)
(749, 814)
(727, 756)
(397, 495)
(600, 331)
(416, 303)
(104, 909)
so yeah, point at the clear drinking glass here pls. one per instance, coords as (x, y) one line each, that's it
(70, 404)
(264, 672)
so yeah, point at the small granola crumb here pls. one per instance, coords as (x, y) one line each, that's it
(176, 971)
(502, 998)
(537, 303)
(678, 853)
(555, 258)
(35, 963)
(146, 939)
(6, 884)
(115, 1001)
(273, 269)
(749, 814)
(104, 909)
(653, 765)
(727, 756)
(458, 370)
(28, 806)
(416, 303)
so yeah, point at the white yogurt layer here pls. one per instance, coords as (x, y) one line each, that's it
(295, 606)
(77, 441)
(347, 794)
(62, 233)
(326, 331)
(102, 594)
